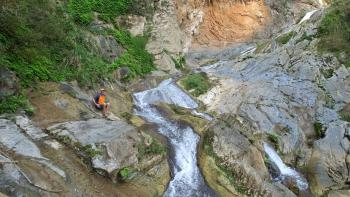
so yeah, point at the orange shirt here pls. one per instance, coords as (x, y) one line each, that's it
(101, 99)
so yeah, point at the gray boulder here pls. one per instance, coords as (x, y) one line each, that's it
(115, 141)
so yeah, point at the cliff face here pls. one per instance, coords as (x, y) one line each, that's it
(218, 24)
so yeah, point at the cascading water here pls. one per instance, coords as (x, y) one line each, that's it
(187, 179)
(283, 169)
(307, 16)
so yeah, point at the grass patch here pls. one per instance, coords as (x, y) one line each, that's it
(179, 62)
(83, 10)
(345, 116)
(10, 104)
(124, 174)
(327, 73)
(196, 84)
(319, 130)
(304, 37)
(334, 31)
(274, 138)
(136, 57)
(155, 148)
(284, 39)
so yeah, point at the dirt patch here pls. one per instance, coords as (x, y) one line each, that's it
(227, 23)
(53, 106)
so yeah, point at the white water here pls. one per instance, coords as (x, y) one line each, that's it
(187, 179)
(283, 169)
(307, 16)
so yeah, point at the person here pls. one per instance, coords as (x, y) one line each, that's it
(101, 102)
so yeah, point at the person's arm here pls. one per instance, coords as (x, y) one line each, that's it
(96, 98)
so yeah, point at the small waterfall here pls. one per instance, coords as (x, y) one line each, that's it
(283, 169)
(187, 179)
(307, 16)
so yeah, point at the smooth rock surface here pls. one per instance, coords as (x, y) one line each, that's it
(115, 139)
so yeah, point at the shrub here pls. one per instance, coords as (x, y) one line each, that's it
(154, 148)
(136, 57)
(274, 138)
(196, 83)
(83, 10)
(284, 39)
(124, 173)
(334, 31)
(11, 104)
(319, 129)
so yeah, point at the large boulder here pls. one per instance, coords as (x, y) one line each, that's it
(329, 164)
(114, 142)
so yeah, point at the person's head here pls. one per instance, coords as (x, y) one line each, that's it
(103, 91)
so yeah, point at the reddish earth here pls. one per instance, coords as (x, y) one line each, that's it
(226, 23)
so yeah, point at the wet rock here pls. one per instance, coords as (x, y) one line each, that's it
(14, 140)
(115, 140)
(27, 126)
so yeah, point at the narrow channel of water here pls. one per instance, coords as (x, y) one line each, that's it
(187, 178)
(284, 170)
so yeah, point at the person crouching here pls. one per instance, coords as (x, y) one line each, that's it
(101, 102)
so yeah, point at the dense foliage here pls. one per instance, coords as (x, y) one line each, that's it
(83, 10)
(334, 31)
(41, 41)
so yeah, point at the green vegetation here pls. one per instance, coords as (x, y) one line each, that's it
(83, 10)
(136, 57)
(284, 39)
(196, 84)
(87, 149)
(126, 115)
(154, 148)
(40, 41)
(304, 37)
(319, 130)
(10, 104)
(180, 61)
(345, 116)
(327, 73)
(124, 173)
(334, 31)
(274, 138)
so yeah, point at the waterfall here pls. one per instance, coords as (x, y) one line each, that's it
(307, 16)
(187, 179)
(283, 169)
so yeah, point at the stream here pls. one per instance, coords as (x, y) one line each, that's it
(187, 179)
